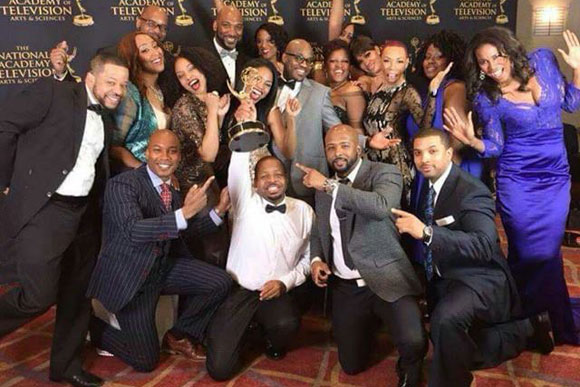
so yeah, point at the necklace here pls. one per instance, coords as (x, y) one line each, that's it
(157, 92)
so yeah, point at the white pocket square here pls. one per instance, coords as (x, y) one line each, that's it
(445, 221)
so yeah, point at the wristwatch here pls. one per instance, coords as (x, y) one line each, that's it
(329, 186)
(427, 234)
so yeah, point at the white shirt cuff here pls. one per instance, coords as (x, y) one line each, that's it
(61, 78)
(315, 259)
(216, 218)
(180, 220)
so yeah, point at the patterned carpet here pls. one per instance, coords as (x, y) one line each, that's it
(312, 360)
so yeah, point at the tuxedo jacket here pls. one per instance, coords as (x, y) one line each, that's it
(373, 240)
(221, 73)
(137, 230)
(465, 244)
(41, 130)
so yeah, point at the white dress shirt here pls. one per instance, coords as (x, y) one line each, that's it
(228, 61)
(439, 183)
(80, 178)
(265, 246)
(179, 218)
(287, 93)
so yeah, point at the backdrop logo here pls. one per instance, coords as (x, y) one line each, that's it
(36, 10)
(251, 10)
(476, 9)
(23, 65)
(319, 10)
(129, 10)
(408, 10)
(83, 19)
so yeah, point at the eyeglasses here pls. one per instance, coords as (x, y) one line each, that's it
(301, 59)
(152, 24)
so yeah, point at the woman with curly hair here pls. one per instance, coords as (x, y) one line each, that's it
(196, 119)
(143, 109)
(518, 98)
(271, 40)
(348, 99)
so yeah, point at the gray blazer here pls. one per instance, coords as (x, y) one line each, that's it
(316, 117)
(373, 240)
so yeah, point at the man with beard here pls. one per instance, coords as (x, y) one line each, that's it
(228, 28)
(356, 242)
(153, 21)
(53, 167)
(316, 117)
(268, 258)
(472, 295)
(143, 257)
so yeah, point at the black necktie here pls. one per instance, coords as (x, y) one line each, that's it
(344, 232)
(281, 208)
(291, 83)
(97, 108)
(428, 214)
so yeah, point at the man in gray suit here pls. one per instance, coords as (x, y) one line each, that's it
(316, 117)
(356, 251)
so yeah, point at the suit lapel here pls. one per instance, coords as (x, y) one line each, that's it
(305, 91)
(79, 116)
(360, 182)
(445, 195)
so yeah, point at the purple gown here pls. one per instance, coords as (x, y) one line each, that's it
(533, 189)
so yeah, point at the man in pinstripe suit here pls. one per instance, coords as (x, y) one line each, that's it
(143, 257)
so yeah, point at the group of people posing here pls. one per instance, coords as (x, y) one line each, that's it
(122, 188)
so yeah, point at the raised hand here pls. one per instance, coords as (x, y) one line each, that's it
(379, 140)
(293, 107)
(224, 203)
(196, 199)
(458, 128)
(58, 58)
(312, 178)
(437, 79)
(212, 101)
(573, 55)
(320, 271)
(224, 105)
(408, 223)
(246, 111)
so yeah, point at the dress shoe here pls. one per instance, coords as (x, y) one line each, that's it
(183, 347)
(542, 339)
(273, 353)
(82, 379)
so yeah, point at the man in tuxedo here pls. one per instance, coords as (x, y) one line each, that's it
(316, 117)
(472, 296)
(355, 241)
(268, 258)
(228, 28)
(143, 257)
(53, 167)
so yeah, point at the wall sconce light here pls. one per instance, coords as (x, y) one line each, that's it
(549, 21)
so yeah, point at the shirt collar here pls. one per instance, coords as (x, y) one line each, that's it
(439, 183)
(156, 180)
(91, 99)
(265, 202)
(352, 175)
(220, 48)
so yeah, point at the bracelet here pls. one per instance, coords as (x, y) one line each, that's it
(329, 186)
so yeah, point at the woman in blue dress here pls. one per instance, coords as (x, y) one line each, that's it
(518, 99)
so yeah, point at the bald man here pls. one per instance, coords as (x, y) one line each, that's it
(228, 28)
(357, 252)
(316, 117)
(143, 256)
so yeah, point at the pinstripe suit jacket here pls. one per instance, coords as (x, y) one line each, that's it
(373, 240)
(136, 230)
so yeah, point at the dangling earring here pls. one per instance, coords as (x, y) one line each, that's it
(481, 75)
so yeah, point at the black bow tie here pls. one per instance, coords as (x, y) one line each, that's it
(270, 208)
(344, 181)
(97, 108)
(291, 83)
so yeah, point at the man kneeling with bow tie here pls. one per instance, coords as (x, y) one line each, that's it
(269, 256)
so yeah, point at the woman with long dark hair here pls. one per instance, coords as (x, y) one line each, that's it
(143, 109)
(271, 40)
(518, 98)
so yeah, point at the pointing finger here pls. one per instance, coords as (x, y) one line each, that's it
(303, 168)
(400, 213)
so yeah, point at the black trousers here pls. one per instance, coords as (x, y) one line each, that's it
(279, 317)
(204, 285)
(464, 338)
(354, 313)
(54, 255)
